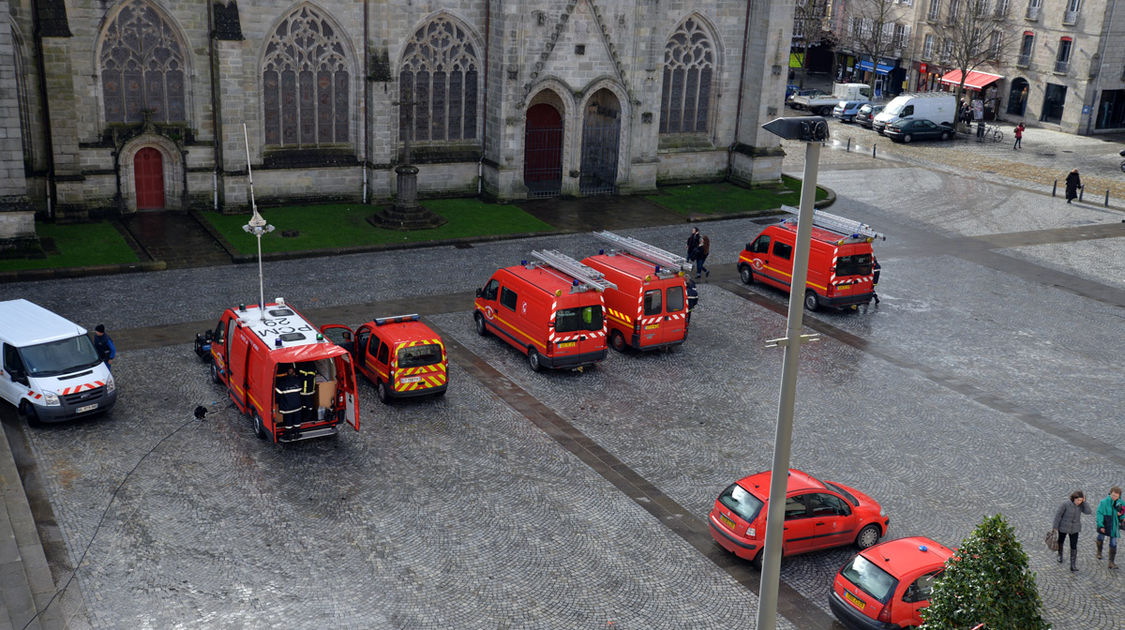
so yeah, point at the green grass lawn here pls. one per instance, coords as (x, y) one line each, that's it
(726, 198)
(345, 225)
(78, 245)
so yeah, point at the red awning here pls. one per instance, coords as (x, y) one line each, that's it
(975, 80)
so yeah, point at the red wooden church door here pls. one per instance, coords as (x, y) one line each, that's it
(148, 171)
(542, 161)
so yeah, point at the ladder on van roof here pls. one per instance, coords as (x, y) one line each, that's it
(585, 277)
(641, 249)
(851, 229)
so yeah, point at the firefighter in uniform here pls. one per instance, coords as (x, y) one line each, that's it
(288, 389)
(306, 372)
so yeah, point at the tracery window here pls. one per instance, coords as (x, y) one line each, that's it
(306, 82)
(142, 66)
(689, 62)
(438, 84)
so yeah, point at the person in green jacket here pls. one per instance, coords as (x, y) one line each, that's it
(1108, 523)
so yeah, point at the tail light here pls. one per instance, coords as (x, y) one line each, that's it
(885, 614)
(547, 348)
(637, 327)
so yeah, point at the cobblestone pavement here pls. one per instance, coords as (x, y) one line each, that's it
(986, 381)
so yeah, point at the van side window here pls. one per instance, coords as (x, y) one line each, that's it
(361, 338)
(12, 362)
(230, 327)
(761, 245)
(782, 250)
(384, 352)
(220, 333)
(907, 111)
(652, 302)
(675, 299)
(489, 292)
(508, 298)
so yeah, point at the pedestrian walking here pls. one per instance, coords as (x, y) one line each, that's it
(692, 297)
(1108, 521)
(1019, 137)
(103, 344)
(875, 267)
(1068, 522)
(692, 243)
(978, 116)
(701, 254)
(1073, 183)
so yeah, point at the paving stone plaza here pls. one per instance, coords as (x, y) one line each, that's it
(987, 380)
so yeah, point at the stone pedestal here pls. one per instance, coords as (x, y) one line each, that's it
(405, 213)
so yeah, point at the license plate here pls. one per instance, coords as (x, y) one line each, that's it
(86, 408)
(567, 344)
(652, 326)
(843, 287)
(410, 379)
(854, 601)
(726, 521)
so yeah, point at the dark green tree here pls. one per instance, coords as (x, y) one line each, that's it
(987, 581)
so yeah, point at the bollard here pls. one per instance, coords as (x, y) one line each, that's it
(1055, 188)
(1107, 198)
(849, 149)
(873, 152)
(1081, 191)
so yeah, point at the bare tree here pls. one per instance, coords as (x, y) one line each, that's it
(809, 30)
(877, 29)
(973, 35)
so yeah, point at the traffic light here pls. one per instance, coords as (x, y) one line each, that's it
(806, 128)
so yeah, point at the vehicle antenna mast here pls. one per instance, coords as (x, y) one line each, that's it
(257, 226)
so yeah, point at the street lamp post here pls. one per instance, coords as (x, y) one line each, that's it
(813, 130)
(257, 226)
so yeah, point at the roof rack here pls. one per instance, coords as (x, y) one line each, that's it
(585, 278)
(641, 249)
(850, 229)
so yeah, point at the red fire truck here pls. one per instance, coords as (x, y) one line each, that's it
(253, 348)
(647, 309)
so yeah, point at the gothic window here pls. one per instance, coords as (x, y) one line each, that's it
(438, 84)
(306, 82)
(142, 66)
(689, 62)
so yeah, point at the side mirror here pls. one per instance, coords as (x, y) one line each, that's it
(480, 292)
(18, 376)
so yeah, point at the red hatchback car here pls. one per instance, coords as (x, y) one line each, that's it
(886, 587)
(818, 515)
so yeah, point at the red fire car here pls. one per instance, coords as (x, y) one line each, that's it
(818, 515)
(886, 587)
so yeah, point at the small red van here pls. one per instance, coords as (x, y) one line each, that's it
(401, 356)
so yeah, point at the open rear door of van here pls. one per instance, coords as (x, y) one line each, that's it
(346, 379)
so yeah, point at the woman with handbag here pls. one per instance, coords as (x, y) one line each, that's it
(1068, 520)
(1108, 524)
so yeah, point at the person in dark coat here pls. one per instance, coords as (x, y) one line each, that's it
(692, 243)
(692, 297)
(1108, 522)
(875, 268)
(288, 389)
(1073, 183)
(701, 254)
(1068, 521)
(103, 345)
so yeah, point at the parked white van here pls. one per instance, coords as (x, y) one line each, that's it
(49, 368)
(937, 107)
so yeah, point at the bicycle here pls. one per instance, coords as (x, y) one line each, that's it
(993, 133)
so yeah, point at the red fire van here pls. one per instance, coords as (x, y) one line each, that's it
(402, 356)
(550, 309)
(251, 350)
(840, 260)
(647, 308)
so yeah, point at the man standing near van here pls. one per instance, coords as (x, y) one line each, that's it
(104, 346)
(692, 243)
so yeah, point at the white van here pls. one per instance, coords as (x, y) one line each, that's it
(50, 370)
(937, 107)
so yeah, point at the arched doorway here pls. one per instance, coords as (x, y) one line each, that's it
(601, 130)
(148, 173)
(542, 151)
(1017, 97)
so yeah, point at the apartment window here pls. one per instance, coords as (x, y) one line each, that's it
(928, 46)
(899, 36)
(1062, 60)
(954, 9)
(1070, 16)
(935, 10)
(1033, 7)
(1026, 46)
(947, 49)
(1001, 8)
(857, 27)
(995, 44)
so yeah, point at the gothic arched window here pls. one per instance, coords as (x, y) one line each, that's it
(142, 66)
(689, 62)
(438, 83)
(305, 82)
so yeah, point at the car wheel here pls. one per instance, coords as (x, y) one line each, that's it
(27, 410)
(382, 393)
(215, 373)
(482, 329)
(746, 274)
(811, 301)
(533, 360)
(945, 135)
(867, 537)
(906, 137)
(617, 340)
(756, 561)
(259, 427)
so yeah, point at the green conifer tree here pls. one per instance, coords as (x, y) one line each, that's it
(986, 581)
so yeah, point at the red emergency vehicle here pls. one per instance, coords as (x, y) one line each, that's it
(400, 355)
(252, 348)
(647, 308)
(550, 309)
(840, 260)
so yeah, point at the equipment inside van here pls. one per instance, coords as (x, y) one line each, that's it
(51, 371)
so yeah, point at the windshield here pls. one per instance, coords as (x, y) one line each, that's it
(417, 356)
(894, 107)
(857, 265)
(741, 502)
(60, 357)
(575, 319)
(870, 578)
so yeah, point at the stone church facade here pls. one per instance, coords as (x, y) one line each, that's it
(111, 107)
